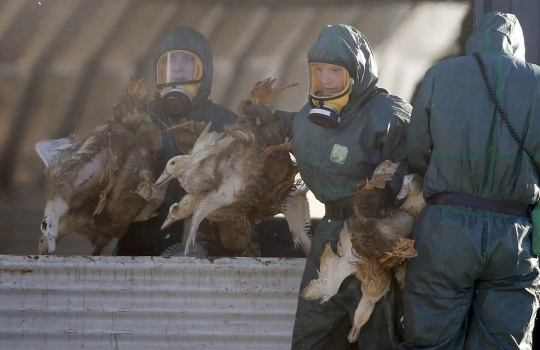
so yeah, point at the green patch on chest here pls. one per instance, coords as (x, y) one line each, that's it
(339, 154)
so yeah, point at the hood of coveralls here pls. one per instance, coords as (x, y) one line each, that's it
(189, 39)
(345, 46)
(498, 32)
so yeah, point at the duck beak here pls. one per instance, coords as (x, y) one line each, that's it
(51, 241)
(164, 178)
(404, 192)
(167, 222)
(43, 245)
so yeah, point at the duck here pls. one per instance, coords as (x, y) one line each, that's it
(244, 174)
(374, 249)
(298, 217)
(100, 185)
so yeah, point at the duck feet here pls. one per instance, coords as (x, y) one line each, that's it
(287, 146)
(103, 196)
(403, 248)
(153, 195)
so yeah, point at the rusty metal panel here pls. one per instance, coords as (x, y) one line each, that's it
(51, 302)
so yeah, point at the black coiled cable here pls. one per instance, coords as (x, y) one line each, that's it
(496, 103)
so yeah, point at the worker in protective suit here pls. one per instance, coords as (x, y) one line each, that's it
(345, 130)
(183, 70)
(474, 282)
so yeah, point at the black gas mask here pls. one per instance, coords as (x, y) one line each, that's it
(175, 101)
(179, 75)
(325, 116)
(329, 90)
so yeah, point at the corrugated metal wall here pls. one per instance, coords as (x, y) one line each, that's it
(528, 13)
(122, 303)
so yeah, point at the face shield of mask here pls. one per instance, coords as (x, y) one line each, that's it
(329, 90)
(179, 75)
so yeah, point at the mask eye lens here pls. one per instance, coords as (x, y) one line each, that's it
(180, 67)
(328, 80)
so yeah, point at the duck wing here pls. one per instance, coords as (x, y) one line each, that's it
(298, 218)
(334, 269)
(49, 149)
(206, 168)
(223, 196)
(188, 133)
(123, 204)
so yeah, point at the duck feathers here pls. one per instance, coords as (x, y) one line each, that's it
(380, 246)
(93, 183)
(334, 268)
(230, 177)
(296, 213)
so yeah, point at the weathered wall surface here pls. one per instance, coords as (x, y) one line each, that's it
(63, 63)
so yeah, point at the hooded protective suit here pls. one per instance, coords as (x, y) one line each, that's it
(332, 162)
(146, 237)
(473, 283)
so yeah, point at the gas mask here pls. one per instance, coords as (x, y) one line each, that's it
(179, 75)
(329, 90)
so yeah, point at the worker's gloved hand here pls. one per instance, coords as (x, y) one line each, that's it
(251, 112)
(128, 103)
(371, 203)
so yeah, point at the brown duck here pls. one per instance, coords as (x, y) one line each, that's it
(102, 184)
(374, 249)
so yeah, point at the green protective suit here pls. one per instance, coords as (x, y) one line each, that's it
(146, 237)
(474, 282)
(332, 162)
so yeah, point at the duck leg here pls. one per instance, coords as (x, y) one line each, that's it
(375, 283)
(98, 239)
(99, 242)
(399, 273)
(223, 196)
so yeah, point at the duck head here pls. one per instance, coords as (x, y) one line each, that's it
(50, 226)
(176, 166)
(172, 217)
(412, 184)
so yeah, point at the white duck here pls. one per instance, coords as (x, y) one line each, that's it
(238, 175)
(379, 248)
